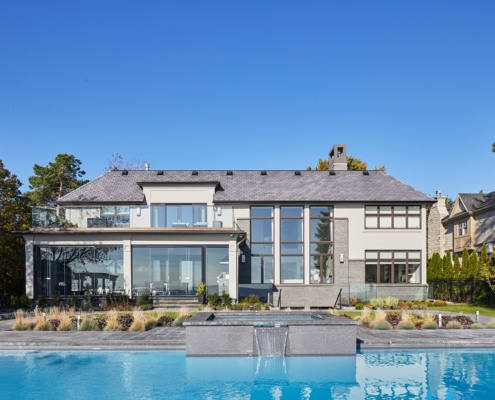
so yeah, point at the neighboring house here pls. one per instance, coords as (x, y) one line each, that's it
(295, 238)
(470, 223)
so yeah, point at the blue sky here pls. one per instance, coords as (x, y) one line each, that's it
(252, 85)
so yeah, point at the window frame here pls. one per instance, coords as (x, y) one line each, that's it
(393, 261)
(284, 256)
(263, 255)
(393, 214)
(318, 256)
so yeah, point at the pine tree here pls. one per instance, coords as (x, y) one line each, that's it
(484, 272)
(434, 267)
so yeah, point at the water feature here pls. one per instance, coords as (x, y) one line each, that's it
(377, 374)
(269, 333)
(271, 340)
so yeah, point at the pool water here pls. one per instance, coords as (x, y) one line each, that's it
(380, 374)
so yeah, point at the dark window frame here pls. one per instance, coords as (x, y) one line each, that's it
(269, 243)
(392, 262)
(392, 214)
(301, 243)
(313, 255)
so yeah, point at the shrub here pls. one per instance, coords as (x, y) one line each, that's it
(405, 325)
(359, 306)
(56, 300)
(24, 302)
(381, 325)
(429, 325)
(453, 325)
(87, 324)
(21, 321)
(149, 324)
(145, 307)
(42, 302)
(144, 299)
(164, 320)
(213, 300)
(44, 326)
(125, 321)
(376, 302)
(365, 318)
(354, 301)
(112, 322)
(390, 302)
(379, 316)
(491, 324)
(477, 325)
(226, 302)
(251, 299)
(437, 303)
(14, 302)
(138, 325)
(66, 324)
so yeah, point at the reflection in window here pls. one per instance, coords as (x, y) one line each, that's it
(291, 246)
(116, 216)
(393, 267)
(393, 217)
(262, 244)
(178, 216)
(322, 265)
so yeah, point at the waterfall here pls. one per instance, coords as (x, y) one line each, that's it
(271, 341)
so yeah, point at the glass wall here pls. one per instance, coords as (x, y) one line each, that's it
(177, 271)
(291, 245)
(321, 230)
(261, 244)
(73, 270)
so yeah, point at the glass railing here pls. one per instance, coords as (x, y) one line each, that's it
(201, 217)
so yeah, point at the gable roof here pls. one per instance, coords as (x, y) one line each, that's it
(253, 186)
(469, 203)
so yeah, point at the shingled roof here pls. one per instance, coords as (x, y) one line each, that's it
(477, 201)
(253, 186)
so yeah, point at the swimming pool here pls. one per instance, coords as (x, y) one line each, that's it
(377, 374)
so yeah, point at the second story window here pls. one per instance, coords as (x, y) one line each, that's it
(178, 216)
(462, 228)
(116, 216)
(393, 217)
(261, 244)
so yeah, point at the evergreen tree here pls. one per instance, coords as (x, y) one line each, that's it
(434, 268)
(473, 268)
(465, 264)
(14, 216)
(457, 267)
(484, 268)
(50, 183)
(448, 268)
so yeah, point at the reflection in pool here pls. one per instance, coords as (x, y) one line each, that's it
(380, 374)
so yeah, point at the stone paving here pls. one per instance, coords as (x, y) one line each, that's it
(174, 338)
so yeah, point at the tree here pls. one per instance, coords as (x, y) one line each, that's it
(434, 268)
(50, 183)
(493, 147)
(448, 268)
(457, 267)
(14, 216)
(465, 264)
(353, 163)
(117, 162)
(473, 268)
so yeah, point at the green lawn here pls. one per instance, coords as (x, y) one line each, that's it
(466, 309)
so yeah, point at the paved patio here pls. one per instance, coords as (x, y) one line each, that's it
(174, 338)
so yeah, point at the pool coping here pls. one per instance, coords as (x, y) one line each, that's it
(174, 338)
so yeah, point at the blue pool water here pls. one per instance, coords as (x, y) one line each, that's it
(425, 374)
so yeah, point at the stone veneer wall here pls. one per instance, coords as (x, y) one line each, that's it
(436, 231)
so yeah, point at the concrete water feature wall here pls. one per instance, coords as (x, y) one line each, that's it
(252, 333)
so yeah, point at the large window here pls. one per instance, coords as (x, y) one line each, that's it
(291, 245)
(321, 227)
(393, 217)
(178, 216)
(116, 216)
(74, 270)
(393, 267)
(261, 244)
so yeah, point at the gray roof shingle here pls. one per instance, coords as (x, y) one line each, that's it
(251, 186)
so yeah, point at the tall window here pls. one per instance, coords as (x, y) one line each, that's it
(321, 245)
(291, 245)
(462, 228)
(261, 244)
(178, 216)
(393, 217)
(393, 267)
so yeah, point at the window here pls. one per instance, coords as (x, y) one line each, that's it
(116, 216)
(262, 244)
(291, 245)
(178, 216)
(321, 227)
(393, 217)
(393, 267)
(462, 228)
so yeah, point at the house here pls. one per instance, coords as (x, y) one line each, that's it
(469, 224)
(295, 238)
